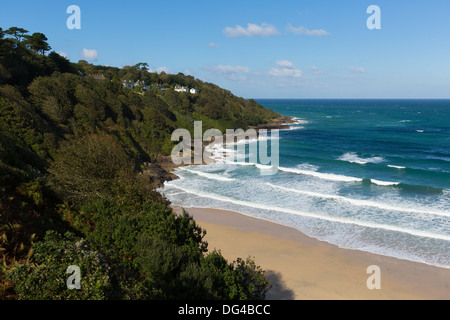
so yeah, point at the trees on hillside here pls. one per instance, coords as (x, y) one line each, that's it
(71, 155)
(17, 33)
(37, 42)
(89, 167)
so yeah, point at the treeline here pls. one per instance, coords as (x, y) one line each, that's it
(71, 188)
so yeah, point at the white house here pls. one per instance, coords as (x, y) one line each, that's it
(185, 89)
(181, 89)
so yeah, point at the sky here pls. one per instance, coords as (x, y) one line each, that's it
(315, 49)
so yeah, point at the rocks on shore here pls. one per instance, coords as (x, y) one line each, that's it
(160, 169)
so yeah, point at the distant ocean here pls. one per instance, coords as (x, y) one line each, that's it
(372, 175)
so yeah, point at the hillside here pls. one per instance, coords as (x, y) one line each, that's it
(73, 144)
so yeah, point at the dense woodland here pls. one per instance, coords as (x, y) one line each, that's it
(72, 150)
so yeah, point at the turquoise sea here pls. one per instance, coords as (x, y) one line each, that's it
(372, 175)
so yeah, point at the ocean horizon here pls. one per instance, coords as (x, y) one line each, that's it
(363, 174)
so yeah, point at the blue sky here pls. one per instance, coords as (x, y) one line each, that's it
(260, 49)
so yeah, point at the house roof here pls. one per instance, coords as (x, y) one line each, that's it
(98, 76)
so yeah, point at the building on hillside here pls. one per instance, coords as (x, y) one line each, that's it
(181, 89)
(127, 84)
(99, 77)
(141, 84)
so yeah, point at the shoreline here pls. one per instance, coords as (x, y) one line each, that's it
(160, 169)
(328, 271)
(302, 267)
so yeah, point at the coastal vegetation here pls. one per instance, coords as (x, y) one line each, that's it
(74, 186)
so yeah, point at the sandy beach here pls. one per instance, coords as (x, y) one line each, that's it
(300, 267)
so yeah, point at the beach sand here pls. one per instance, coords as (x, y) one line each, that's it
(300, 267)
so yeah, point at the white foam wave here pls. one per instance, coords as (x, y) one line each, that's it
(219, 153)
(241, 163)
(354, 158)
(420, 131)
(307, 166)
(384, 183)
(296, 128)
(300, 121)
(320, 175)
(396, 167)
(364, 203)
(208, 175)
(313, 173)
(263, 167)
(342, 220)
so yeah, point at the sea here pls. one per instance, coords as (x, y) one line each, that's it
(370, 175)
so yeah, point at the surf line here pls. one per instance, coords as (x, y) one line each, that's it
(347, 221)
(357, 202)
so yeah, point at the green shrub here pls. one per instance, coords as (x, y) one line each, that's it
(44, 276)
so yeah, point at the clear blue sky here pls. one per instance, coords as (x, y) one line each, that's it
(260, 49)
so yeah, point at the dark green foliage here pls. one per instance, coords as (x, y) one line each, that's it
(53, 96)
(44, 277)
(240, 280)
(37, 42)
(88, 167)
(71, 153)
(174, 270)
(17, 33)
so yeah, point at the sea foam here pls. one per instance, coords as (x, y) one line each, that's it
(354, 158)
(348, 221)
(396, 167)
(208, 175)
(320, 175)
(300, 121)
(312, 173)
(384, 183)
(360, 202)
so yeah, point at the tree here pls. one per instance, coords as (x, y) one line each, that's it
(89, 167)
(37, 42)
(141, 66)
(17, 33)
(53, 96)
(62, 63)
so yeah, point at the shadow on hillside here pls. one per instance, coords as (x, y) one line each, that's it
(279, 290)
